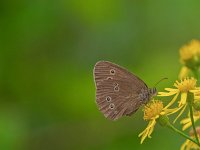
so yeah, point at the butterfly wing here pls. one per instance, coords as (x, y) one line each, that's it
(117, 90)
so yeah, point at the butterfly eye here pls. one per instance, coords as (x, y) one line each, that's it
(116, 88)
(108, 98)
(112, 71)
(112, 106)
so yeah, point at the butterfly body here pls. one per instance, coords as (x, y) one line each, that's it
(119, 92)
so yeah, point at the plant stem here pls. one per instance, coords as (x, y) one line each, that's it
(181, 133)
(192, 120)
(195, 73)
(190, 99)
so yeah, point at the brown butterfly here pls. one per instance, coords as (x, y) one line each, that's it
(119, 92)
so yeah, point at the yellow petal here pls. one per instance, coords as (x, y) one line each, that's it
(194, 91)
(166, 93)
(172, 101)
(186, 120)
(172, 111)
(152, 128)
(183, 99)
(141, 133)
(184, 145)
(143, 137)
(187, 125)
(196, 97)
(147, 131)
(171, 90)
(184, 106)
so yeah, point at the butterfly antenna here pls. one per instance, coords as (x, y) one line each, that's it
(160, 81)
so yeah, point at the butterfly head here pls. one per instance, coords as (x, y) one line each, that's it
(153, 91)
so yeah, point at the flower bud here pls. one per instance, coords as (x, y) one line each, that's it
(191, 133)
(163, 120)
(190, 54)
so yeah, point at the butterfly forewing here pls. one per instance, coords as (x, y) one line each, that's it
(117, 90)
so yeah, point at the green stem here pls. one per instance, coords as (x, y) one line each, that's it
(190, 99)
(195, 72)
(181, 133)
(192, 120)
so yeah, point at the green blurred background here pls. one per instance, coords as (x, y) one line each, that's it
(47, 53)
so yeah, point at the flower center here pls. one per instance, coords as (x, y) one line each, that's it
(152, 110)
(186, 84)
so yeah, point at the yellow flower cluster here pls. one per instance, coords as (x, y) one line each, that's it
(190, 52)
(190, 58)
(185, 93)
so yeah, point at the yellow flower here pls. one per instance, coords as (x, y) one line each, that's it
(152, 111)
(182, 88)
(190, 54)
(189, 145)
(186, 122)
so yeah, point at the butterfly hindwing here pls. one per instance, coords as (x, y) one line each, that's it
(117, 90)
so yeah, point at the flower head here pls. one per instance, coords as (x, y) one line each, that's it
(190, 54)
(184, 88)
(186, 85)
(152, 112)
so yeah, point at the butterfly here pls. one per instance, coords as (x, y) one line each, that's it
(119, 92)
